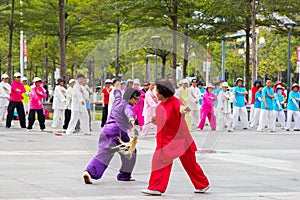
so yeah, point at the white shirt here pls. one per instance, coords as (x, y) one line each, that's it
(69, 98)
(59, 97)
(5, 90)
(79, 97)
(194, 99)
(150, 102)
(224, 104)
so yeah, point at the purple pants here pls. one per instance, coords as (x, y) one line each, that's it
(107, 140)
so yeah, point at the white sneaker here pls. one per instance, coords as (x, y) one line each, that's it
(151, 192)
(203, 190)
(87, 178)
(68, 133)
(28, 130)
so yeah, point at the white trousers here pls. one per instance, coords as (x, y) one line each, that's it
(281, 118)
(149, 113)
(251, 112)
(296, 116)
(224, 119)
(3, 113)
(26, 108)
(255, 118)
(195, 118)
(242, 112)
(83, 117)
(266, 118)
(58, 115)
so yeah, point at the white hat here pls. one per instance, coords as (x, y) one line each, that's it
(17, 74)
(4, 76)
(184, 81)
(24, 79)
(209, 85)
(36, 79)
(224, 84)
(129, 80)
(295, 85)
(108, 81)
(279, 87)
(136, 81)
(71, 81)
(239, 79)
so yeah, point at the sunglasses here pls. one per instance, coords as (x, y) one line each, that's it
(18, 77)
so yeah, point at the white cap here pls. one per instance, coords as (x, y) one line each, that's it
(209, 85)
(36, 79)
(108, 81)
(71, 81)
(129, 80)
(184, 81)
(24, 79)
(4, 76)
(136, 81)
(17, 74)
(224, 84)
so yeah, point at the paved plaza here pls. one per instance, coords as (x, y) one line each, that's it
(243, 165)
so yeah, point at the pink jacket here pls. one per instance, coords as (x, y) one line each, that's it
(37, 95)
(17, 88)
(208, 102)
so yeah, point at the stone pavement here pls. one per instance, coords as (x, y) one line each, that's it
(243, 165)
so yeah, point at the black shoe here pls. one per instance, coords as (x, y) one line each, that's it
(296, 129)
(287, 129)
(7, 126)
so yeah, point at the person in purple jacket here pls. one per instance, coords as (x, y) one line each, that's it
(15, 101)
(119, 122)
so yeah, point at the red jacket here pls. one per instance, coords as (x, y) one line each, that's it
(173, 136)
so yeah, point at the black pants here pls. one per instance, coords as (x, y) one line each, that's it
(104, 114)
(41, 118)
(10, 113)
(67, 118)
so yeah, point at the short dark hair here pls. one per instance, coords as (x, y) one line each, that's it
(268, 79)
(165, 88)
(80, 76)
(115, 80)
(194, 79)
(259, 86)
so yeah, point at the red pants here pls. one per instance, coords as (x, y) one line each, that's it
(159, 179)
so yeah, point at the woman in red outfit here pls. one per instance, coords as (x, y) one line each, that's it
(173, 140)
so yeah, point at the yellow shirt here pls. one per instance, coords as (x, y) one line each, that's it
(26, 98)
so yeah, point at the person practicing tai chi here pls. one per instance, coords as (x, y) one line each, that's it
(173, 140)
(37, 95)
(121, 119)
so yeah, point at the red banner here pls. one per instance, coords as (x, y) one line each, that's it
(298, 53)
(25, 48)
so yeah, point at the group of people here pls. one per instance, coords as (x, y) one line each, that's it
(223, 106)
(25, 99)
(70, 105)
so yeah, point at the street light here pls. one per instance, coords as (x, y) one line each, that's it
(289, 26)
(148, 57)
(262, 44)
(155, 39)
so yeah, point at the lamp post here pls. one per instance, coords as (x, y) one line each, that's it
(262, 43)
(155, 39)
(148, 57)
(289, 26)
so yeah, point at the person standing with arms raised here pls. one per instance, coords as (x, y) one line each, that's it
(15, 101)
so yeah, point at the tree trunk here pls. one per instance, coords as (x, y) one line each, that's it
(11, 27)
(254, 38)
(52, 75)
(62, 39)
(46, 63)
(186, 56)
(163, 68)
(174, 28)
(118, 51)
(247, 64)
